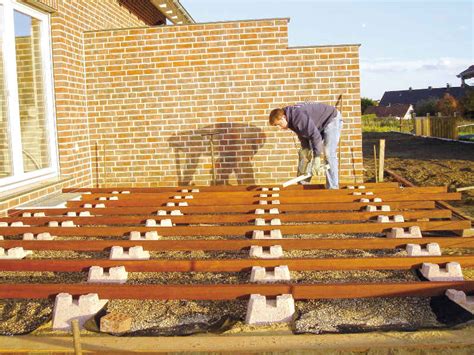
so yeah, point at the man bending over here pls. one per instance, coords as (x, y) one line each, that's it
(318, 127)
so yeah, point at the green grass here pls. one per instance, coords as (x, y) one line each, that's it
(371, 123)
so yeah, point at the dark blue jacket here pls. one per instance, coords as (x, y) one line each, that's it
(308, 121)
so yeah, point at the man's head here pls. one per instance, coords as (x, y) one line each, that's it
(278, 119)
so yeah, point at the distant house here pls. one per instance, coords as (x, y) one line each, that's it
(466, 74)
(411, 96)
(398, 111)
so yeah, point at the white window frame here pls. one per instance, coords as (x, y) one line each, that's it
(19, 177)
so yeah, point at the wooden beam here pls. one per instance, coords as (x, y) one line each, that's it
(233, 265)
(237, 230)
(226, 292)
(232, 218)
(218, 188)
(325, 206)
(239, 244)
(282, 199)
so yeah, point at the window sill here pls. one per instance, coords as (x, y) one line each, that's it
(31, 188)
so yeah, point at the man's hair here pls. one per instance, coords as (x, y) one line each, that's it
(275, 115)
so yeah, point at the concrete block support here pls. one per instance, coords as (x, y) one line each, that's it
(152, 235)
(67, 224)
(260, 274)
(187, 190)
(263, 311)
(116, 275)
(433, 272)
(14, 253)
(163, 223)
(413, 232)
(367, 200)
(432, 249)
(460, 298)
(386, 219)
(40, 236)
(270, 211)
(134, 253)
(273, 234)
(276, 251)
(383, 208)
(171, 213)
(273, 222)
(172, 204)
(269, 202)
(269, 195)
(66, 309)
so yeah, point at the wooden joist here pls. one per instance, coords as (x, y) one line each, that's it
(226, 188)
(234, 265)
(282, 199)
(228, 292)
(238, 244)
(246, 208)
(256, 194)
(233, 218)
(233, 230)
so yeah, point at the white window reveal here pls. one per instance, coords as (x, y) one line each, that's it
(28, 149)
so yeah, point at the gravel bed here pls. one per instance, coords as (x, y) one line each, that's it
(180, 317)
(152, 317)
(23, 316)
(356, 315)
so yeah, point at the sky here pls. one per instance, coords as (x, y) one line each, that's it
(404, 43)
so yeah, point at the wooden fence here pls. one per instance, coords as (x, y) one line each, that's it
(439, 126)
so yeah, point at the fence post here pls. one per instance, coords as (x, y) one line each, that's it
(382, 159)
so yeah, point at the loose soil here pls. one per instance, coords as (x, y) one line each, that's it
(425, 162)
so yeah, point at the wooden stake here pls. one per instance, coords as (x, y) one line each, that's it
(105, 165)
(76, 333)
(375, 164)
(381, 159)
(96, 165)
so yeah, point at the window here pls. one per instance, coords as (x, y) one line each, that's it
(28, 151)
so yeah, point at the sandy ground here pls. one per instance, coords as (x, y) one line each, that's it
(425, 162)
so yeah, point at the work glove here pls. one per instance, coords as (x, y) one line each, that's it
(305, 157)
(315, 167)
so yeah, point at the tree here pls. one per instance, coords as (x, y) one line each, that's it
(467, 102)
(366, 102)
(423, 107)
(447, 105)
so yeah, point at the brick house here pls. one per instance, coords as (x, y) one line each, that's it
(105, 93)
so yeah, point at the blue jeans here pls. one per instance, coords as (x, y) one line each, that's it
(331, 135)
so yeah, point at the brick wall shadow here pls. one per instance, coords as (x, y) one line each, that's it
(235, 145)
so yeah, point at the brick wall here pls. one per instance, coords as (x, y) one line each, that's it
(154, 92)
(5, 165)
(68, 24)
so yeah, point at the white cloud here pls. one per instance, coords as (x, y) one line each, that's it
(387, 65)
(384, 74)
